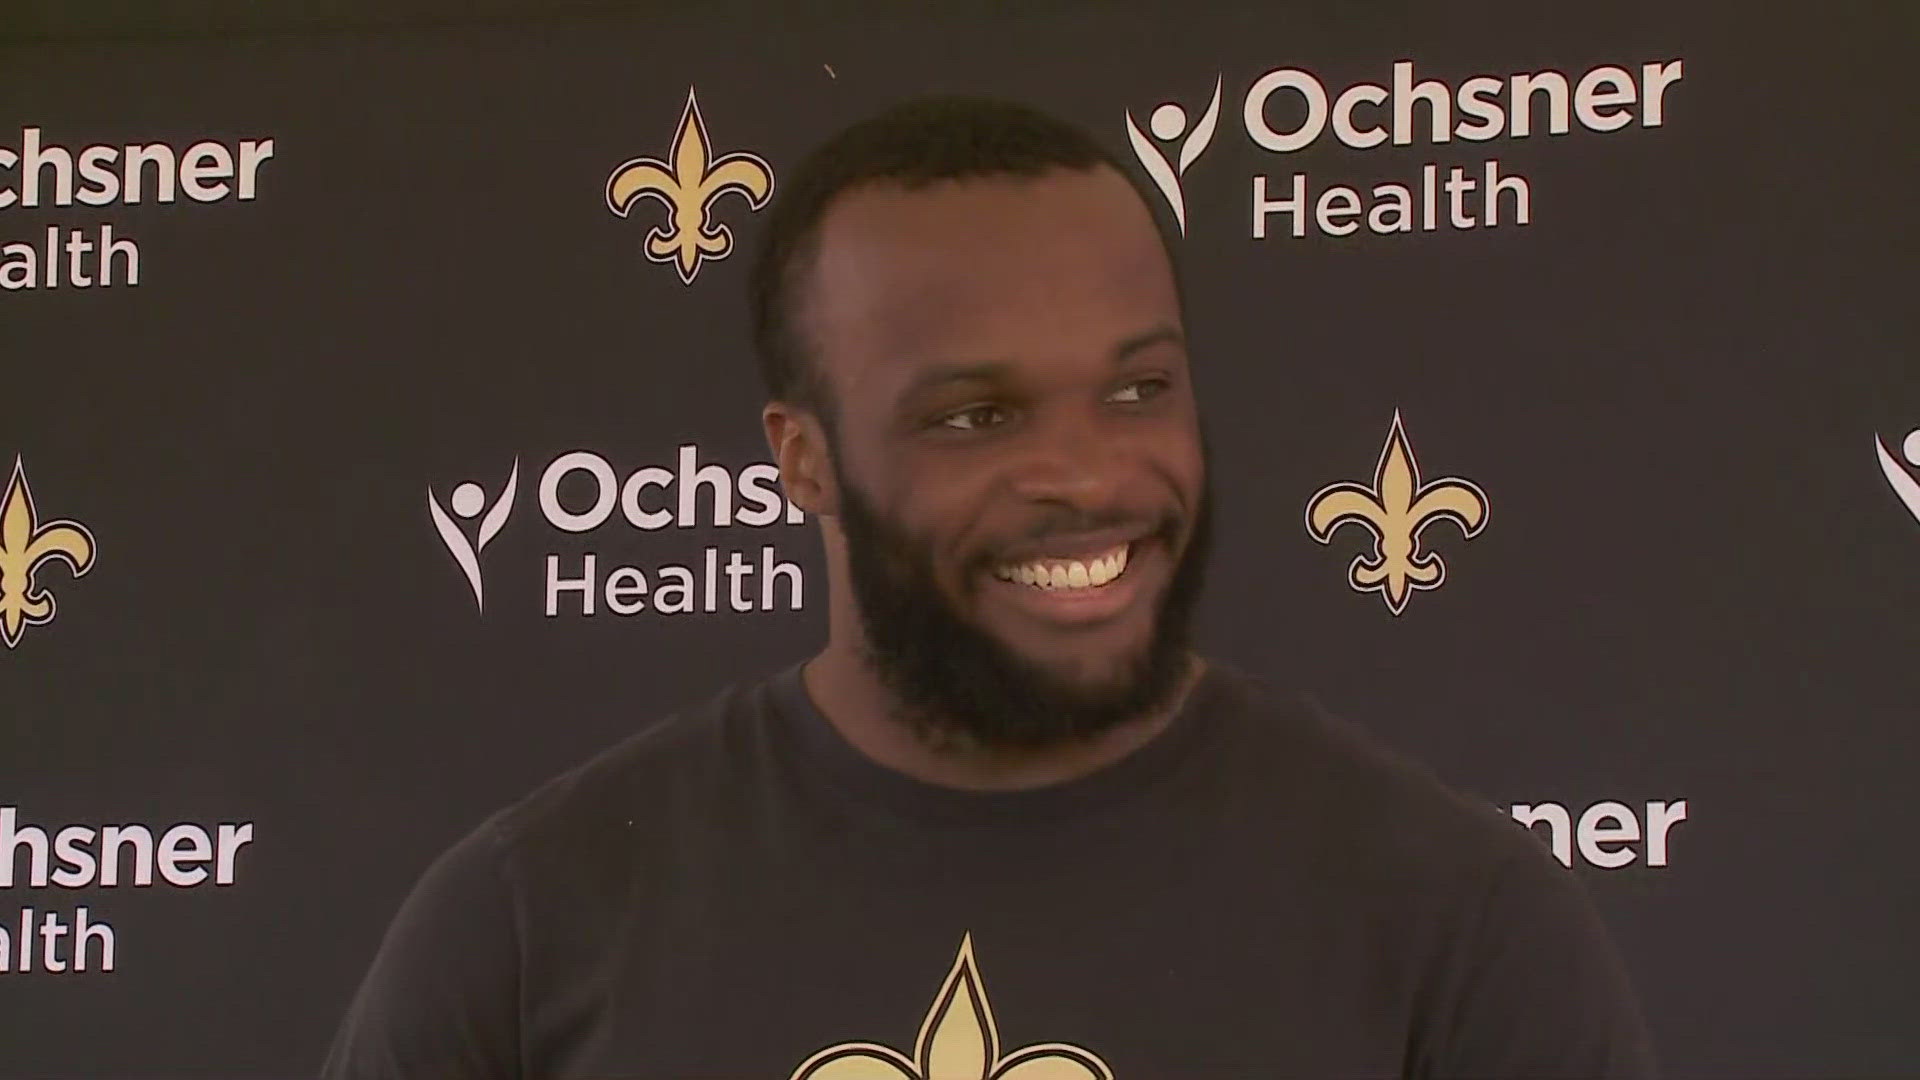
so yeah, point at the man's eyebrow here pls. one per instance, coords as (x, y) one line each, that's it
(946, 373)
(1152, 337)
(991, 370)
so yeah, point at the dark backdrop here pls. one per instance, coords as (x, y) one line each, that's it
(1696, 581)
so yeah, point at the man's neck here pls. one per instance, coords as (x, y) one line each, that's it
(868, 716)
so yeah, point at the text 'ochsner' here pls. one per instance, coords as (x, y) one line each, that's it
(43, 938)
(39, 175)
(581, 492)
(1288, 110)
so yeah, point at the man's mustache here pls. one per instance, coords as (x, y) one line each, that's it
(1165, 525)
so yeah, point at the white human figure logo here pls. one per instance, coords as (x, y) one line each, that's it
(468, 502)
(1168, 122)
(1904, 485)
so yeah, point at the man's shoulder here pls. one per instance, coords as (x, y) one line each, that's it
(661, 776)
(1370, 804)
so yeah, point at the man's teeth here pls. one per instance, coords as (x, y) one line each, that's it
(1067, 573)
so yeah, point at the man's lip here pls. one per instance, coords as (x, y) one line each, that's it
(1072, 546)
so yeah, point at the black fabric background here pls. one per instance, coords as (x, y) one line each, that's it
(1695, 582)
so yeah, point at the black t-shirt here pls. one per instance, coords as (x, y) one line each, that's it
(738, 894)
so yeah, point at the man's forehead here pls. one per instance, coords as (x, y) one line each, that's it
(897, 269)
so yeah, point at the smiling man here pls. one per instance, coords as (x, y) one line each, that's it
(979, 378)
(1005, 825)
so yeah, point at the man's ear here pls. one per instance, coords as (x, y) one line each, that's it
(799, 445)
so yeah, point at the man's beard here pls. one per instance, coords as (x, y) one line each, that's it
(954, 678)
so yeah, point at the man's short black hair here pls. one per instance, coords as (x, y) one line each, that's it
(911, 144)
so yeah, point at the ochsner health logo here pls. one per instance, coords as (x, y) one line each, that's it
(1169, 122)
(679, 513)
(1289, 109)
(469, 501)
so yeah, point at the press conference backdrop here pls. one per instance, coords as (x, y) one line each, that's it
(380, 438)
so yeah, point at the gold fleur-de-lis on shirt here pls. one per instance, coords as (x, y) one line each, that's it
(1395, 510)
(26, 543)
(688, 186)
(958, 1041)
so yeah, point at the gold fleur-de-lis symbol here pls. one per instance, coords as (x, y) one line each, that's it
(1396, 510)
(688, 187)
(957, 1041)
(25, 543)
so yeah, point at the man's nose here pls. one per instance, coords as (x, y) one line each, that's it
(1069, 457)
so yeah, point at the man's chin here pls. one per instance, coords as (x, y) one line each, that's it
(1085, 677)
(1083, 681)
(985, 659)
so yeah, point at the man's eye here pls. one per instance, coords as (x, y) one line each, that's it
(973, 418)
(1139, 390)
